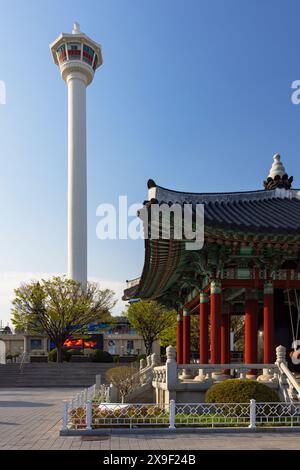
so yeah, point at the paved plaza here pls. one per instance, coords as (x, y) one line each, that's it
(31, 419)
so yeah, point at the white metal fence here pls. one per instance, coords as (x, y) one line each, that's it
(98, 393)
(87, 413)
(212, 414)
(277, 414)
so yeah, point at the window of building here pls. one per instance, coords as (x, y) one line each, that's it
(61, 53)
(130, 349)
(88, 54)
(95, 62)
(35, 344)
(74, 50)
(112, 346)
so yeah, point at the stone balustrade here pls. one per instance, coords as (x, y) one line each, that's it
(159, 374)
(189, 382)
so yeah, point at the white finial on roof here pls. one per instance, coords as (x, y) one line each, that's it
(76, 28)
(278, 177)
(277, 168)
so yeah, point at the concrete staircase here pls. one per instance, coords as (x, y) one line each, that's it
(143, 394)
(52, 374)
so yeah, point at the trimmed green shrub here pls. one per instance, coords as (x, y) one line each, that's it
(102, 356)
(9, 356)
(141, 356)
(74, 352)
(52, 355)
(240, 391)
(116, 358)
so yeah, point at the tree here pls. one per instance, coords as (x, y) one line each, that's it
(169, 336)
(124, 378)
(151, 320)
(59, 307)
(238, 326)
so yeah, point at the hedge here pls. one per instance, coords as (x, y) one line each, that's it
(52, 355)
(74, 352)
(240, 391)
(102, 356)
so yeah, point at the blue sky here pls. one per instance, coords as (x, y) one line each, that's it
(194, 94)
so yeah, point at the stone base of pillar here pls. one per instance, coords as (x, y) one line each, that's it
(251, 376)
(186, 374)
(267, 376)
(201, 377)
(220, 376)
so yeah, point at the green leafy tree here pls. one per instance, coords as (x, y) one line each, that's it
(59, 307)
(151, 320)
(238, 326)
(169, 335)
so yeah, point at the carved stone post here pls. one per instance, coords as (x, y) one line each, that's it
(155, 360)
(281, 355)
(171, 372)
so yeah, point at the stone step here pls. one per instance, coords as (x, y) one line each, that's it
(52, 374)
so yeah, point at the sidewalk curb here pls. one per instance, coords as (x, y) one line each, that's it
(110, 431)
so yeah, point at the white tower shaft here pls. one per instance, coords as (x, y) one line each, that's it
(78, 57)
(77, 178)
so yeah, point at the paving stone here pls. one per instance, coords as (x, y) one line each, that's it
(31, 419)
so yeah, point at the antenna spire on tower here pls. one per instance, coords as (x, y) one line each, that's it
(76, 28)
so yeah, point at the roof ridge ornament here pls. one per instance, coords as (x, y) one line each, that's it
(151, 184)
(277, 177)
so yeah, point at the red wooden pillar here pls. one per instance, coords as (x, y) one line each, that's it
(269, 345)
(186, 336)
(203, 327)
(251, 328)
(179, 338)
(215, 321)
(225, 338)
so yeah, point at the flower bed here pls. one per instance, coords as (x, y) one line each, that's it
(105, 415)
(119, 416)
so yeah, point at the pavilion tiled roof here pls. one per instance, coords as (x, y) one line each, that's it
(270, 216)
(276, 210)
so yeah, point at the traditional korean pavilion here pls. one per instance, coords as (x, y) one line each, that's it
(249, 265)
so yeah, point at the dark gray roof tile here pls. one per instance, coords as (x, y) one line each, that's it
(265, 210)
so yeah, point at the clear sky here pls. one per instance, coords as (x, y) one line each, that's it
(195, 94)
